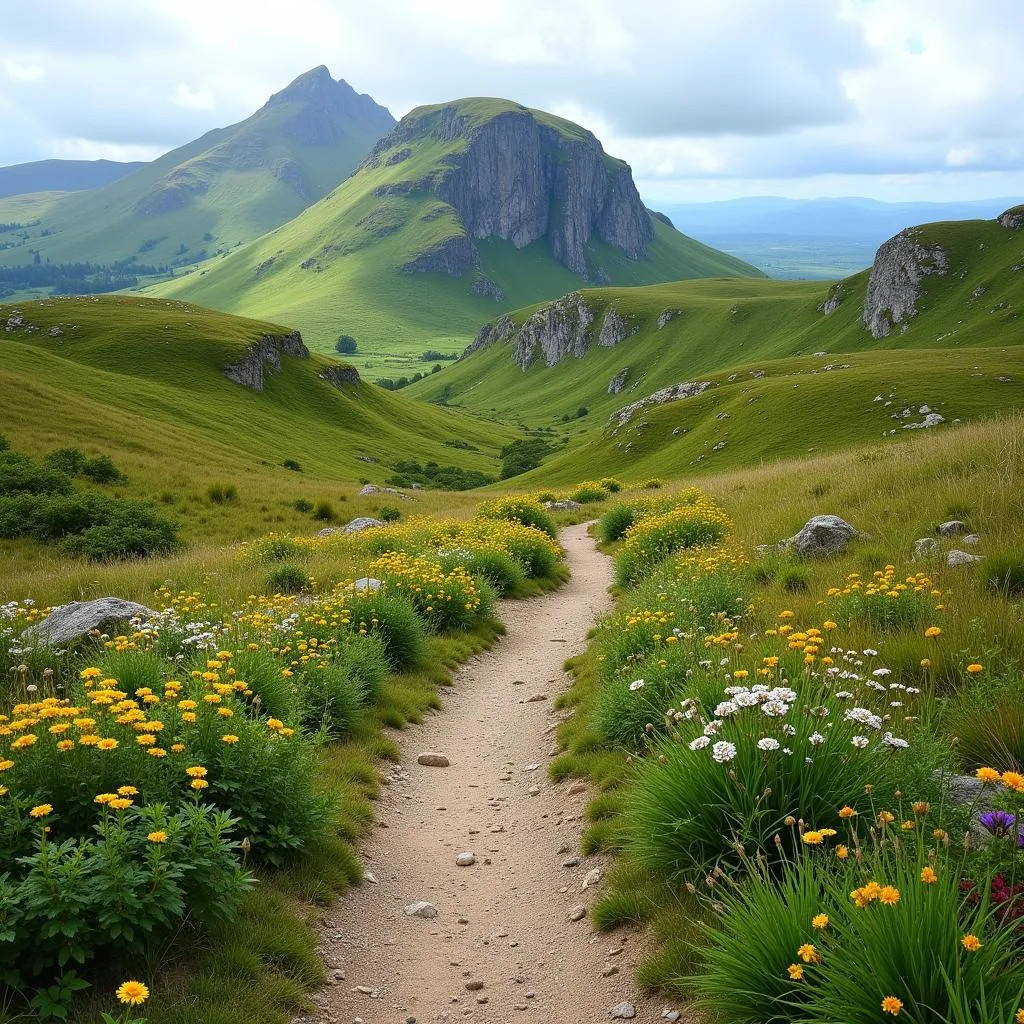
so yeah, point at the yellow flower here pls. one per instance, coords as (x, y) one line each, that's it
(104, 798)
(842, 852)
(819, 921)
(813, 838)
(229, 739)
(5, 764)
(132, 993)
(890, 1004)
(796, 972)
(926, 663)
(199, 784)
(159, 836)
(196, 772)
(188, 717)
(106, 744)
(932, 631)
(971, 943)
(24, 741)
(90, 673)
(928, 875)
(41, 810)
(808, 952)
(156, 752)
(1011, 780)
(178, 748)
(829, 625)
(121, 803)
(846, 812)
(65, 745)
(786, 614)
(889, 895)
(886, 818)
(987, 775)
(1019, 1016)
(828, 833)
(147, 739)
(275, 723)
(975, 668)
(127, 791)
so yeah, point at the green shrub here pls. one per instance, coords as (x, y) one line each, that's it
(393, 619)
(101, 470)
(535, 553)
(330, 701)
(131, 530)
(885, 602)
(587, 494)
(501, 570)
(286, 578)
(302, 505)
(1004, 574)
(262, 672)
(222, 494)
(653, 484)
(366, 660)
(794, 580)
(389, 514)
(609, 483)
(21, 474)
(278, 547)
(987, 719)
(323, 511)
(135, 669)
(617, 520)
(65, 460)
(527, 511)
(293, 464)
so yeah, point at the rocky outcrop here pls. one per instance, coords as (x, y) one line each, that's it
(71, 622)
(613, 328)
(486, 288)
(933, 419)
(893, 287)
(675, 393)
(264, 356)
(520, 178)
(618, 382)
(1012, 219)
(453, 255)
(497, 331)
(340, 375)
(833, 300)
(822, 535)
(666, 316)
(554, 332)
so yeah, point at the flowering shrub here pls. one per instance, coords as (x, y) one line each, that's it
(883, 602)
(589, 491)
(521, 509)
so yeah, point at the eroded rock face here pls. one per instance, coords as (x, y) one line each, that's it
(675, 393)
(1012, 219)
(454, 255)
(264, 356)
(555, 331)
(618, 382)
(339, 375)
(613, 328)
(893, 288)
(78, 619)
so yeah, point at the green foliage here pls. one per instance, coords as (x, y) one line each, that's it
(101, 470)
(609, 483)
(392, 618)
(503, 571)
(262, 673)
(68, 461)
(302, 505)
(653, 484)
(1004, 574)
(520, 509)
(330, 701)
(447, 478)
(522, 455)
(277, 547)
(986, 717)
(323, 511)
(222, 494)
(130, 530)
(286, 578)
(587, 494)
(293, 464)
(389, 514)
(345, 345)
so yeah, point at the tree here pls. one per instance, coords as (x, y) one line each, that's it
(345, 345)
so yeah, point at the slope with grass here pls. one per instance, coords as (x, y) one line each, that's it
(61, 175)
(143, 381)
(219, 191)
(463, 209)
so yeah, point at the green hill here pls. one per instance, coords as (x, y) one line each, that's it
(216, 193)
(464, 209)
(61, 175)
(933, 291)
(143, 381)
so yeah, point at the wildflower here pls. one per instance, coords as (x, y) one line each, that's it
(65, 745)
(199, 784)
(932, 632)
(796, 972)
(998, 823)
(156, 752)
(104, 744)
(41, 810)
(1019, 1016)
(886, 818)
(104, 798)
(842, 852)
(813, 838)
(1011, 780)
(971, 943)
(229, 739)
(808, 952)
(928, 875)
(24, 741)
(975, 668)
(159, 836)
(987, 775)
(847, 812)
(890, 1004)
(699, 743)
(723, 751)
(889, 895)
(121, 803)
(637, 684)
(127, 791)
(920, 807)
(768, 743)
(819, 921)
(132, 993)
(196, 772)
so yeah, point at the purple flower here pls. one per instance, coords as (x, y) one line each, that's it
(999, 823)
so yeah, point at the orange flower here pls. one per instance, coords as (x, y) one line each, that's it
(819, 921)
(846, 812)
(975, 668)
(928, 876)
(808, 952)
(796, 972)
(1014, 781)
(890, 1004)
(971, 943)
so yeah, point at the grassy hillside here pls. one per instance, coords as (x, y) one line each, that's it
(337, 268)
(729, 324)
(218, 192)
(142, 381)
(61, 175)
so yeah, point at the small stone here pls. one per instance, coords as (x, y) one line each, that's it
(465, 859)
(956, 558)
(531, 994)
(668, 1014)
(421, 909)
(483, 999)
(462, 920)
(519, 1006)
(536, 697)
(577, 787)
(577, 913)
(370, 877)
(432, 759)
(474, 985)
(615, 952)
(610, 971)
(518, 682)
(623, 1011)
(925, 547)
(571, 862)
(365, 990)
(564, 848)
(338, 974)
(530, 767)
(951, 528)
(972, 540)
(592, 878)
(533, 790)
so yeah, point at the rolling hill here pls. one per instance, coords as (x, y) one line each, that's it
(216, 193)
(774, 367)
(61, 175)
(463, 209)
(144, 381)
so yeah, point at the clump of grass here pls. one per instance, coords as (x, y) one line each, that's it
(1004, 574)
(222, 494)
(286, 578)
(389, 514)
(323, 511)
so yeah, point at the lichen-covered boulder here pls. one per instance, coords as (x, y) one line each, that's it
(78, 619)
(822, 535)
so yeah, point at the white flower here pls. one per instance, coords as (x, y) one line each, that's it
(860, 742)
(894, 741)
(844, 694)
(699, 743)
(913, 689)
(723, 751)
(815, 739)
(783, 693)
(725, 709)
(788, 729)
(862, 716)
(870, 652)
(637, 684)
(775, 708)
(786, 750)
(882, 672)
(768, 743)
(745, 699)
(712, 727)
(895, 703)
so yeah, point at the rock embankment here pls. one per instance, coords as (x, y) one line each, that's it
(264, 356)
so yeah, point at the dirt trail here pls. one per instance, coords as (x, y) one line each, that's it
(505, 920)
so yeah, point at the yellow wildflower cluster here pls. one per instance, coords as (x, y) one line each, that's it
(435, 592)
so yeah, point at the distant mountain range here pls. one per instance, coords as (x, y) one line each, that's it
(61, 175)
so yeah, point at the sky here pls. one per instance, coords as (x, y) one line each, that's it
(706, 99)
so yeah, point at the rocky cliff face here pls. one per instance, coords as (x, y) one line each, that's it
(1012, 219)
(521, 179)
(264, 356)
(893, 287)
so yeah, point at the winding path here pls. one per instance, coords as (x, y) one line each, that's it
(503, 921)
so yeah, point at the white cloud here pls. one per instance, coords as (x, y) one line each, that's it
(193, 99)
(24, 73)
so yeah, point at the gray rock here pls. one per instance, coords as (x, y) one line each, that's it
(925, 547)
(893, 287)
(593, 877)
(618, 382)
(264, 356)
(1012, 219)
(623, 1011)
(555, 332)
(610, 971)
(577, 787)
(667, 316)
(337, 376)
(466, 859)
(577, 913)
(933, 419)
(367, 583)
(432, 759)
(952, 528)
(562, 506)
(675, 393)
(453, 255)
(536, 697)
(73, 621)
(957, 558)
(613, 328)
(370, 489)
(474, 985)
(362, 523)
(669, 1014)
(421, 909)
(571, 862)
(486, 288)
(822, 535)
(972, 540)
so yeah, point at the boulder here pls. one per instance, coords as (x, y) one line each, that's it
(362, 523)
(618, 382)
(972, 539)
(79, 618)
(957, 558)
(952, 528)
(925, 547)
(822, 535)
(366, 583)
(562, 506)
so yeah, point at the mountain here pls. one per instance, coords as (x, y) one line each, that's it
(464, 208)
(937, 323)
(218, 192)
(61, 175)
(815, 238)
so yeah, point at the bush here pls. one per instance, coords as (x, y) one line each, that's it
(330, 701)
(366, 660)
(101, 470)
(1004, 574)
(131, 530)
(588, 493)
(222, 494)
(345, 345)
(389, 514)
(293, 464)
(523, 510)
(794, 580)
(617, 520)
(392, 618)
(504, 572)
(263, 674)
(323, 511)
(302, 505)
(885, 603)
(609, 483)
(286, 578)
(65, 460)
(20, 474)
(653, 484)
(535, 551)
(523, 455)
